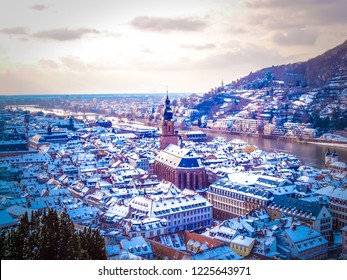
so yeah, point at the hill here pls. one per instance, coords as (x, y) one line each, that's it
(314, 91)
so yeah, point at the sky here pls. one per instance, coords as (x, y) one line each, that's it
(150, 46)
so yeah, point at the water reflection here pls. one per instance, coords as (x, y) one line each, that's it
(309, 154)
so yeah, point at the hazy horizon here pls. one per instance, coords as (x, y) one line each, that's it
(116, 47)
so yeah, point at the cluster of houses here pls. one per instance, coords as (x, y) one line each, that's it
(256, 205)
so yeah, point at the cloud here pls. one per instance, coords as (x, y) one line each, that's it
(295, 37)
(310, 12)
(18, 30)
(236, 29)
(38, 7)
(48, 63)
(162, 24)
(65, 34)
(74, 63)
(249, 56)
(206, 46)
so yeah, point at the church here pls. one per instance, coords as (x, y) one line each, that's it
(178, 165)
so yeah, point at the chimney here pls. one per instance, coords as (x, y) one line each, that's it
(294, 227)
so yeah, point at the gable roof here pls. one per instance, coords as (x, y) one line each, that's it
(304, 206)
(177, 157)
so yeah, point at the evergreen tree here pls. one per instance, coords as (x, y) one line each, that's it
(50, 237)
(97, 248)
(11, 253)
(3, 245)
(34, 238)
(66, 237)
(84, 242)
(21, 238)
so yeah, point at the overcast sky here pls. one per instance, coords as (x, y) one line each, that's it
(114, 46)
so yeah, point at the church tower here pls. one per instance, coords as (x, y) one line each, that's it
(168, 134)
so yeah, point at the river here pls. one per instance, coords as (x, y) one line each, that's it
(309, 154)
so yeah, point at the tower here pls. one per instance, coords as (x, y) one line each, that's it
(328, 155)
(168, 134)
(334, 157)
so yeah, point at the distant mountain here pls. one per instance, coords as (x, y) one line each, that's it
(315, 72)
(314, 91)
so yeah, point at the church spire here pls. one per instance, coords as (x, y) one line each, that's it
(168, 115)
(168, 135)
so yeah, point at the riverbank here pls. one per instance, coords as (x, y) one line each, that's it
(317, 141)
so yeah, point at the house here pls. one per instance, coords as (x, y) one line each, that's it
(267, 182)
(83, 214)
(312, 212)
(186, 210)
(6, 220)
(231, 200)
(137, 246)
(17, 212)
(147, 227)
(344, 241)
(191, 246)
(242, 245)
(113, 251)
(338, 203)
(302, 243)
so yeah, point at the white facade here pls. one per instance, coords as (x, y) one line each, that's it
(186, 211)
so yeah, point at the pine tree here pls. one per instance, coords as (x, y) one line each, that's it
(67, 237)
(21, 238)
(83, 237)
(11, 253)
(50, 237)
(97, 248)
(3, 245)
(34, 238)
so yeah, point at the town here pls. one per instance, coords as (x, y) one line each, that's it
(158, 193)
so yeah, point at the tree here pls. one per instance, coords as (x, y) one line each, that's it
(93, 245)
(50, 236)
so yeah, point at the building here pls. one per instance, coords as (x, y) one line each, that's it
(186, 210)
(268, 182)
(7, 221)
(242, 245)
(137, 246)
(147, 227)
(168, 135)
(312, 213)
(191, 246)
(231, 200)
(331, 157)
(344, 241)
(338, 204)
(302, 243)
(182, 167)
(175, 164)
(247, 125)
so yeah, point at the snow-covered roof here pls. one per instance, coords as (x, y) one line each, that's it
(305, 238)
(178, 157)
(334, 192)
(217, 253)
(137, 246)
(243, 240)
(6, 219)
